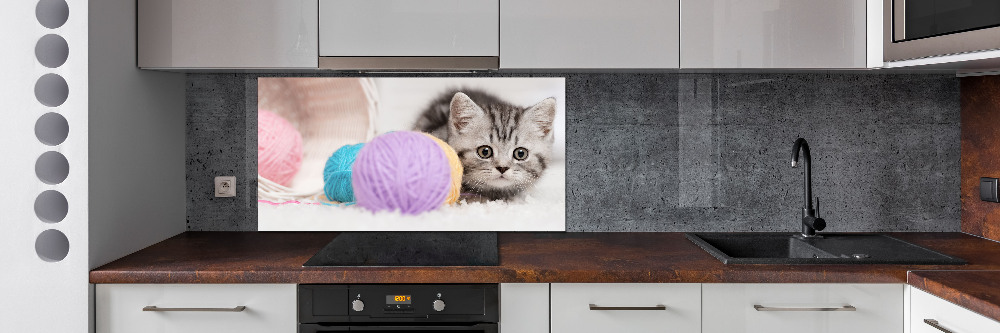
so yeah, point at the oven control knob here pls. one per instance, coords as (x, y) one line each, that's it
(438, 305)
(358, 305)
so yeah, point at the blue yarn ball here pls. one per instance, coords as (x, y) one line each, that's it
(337, 173)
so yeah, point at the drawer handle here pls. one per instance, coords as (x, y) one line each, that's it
(233, 309)
(935, 324)
(759, 307)
(629, 308)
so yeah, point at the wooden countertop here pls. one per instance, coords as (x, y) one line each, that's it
(978, 291)
(277, 257)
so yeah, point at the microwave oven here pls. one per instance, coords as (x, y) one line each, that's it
(915, 29)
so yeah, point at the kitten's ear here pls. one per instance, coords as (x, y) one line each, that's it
(542, 115)
(463, 111)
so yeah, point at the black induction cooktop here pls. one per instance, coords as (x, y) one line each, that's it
(409, 249)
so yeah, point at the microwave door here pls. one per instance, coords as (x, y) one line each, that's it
(914, 29)
(916, 19)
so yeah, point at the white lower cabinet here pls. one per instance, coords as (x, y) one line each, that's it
(570, 308)
(524, 308)
(802, 308)
(930, 314)
(626, 307)
(196, 308)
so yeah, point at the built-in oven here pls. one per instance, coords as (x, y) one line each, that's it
(465, 308)
(927, 28)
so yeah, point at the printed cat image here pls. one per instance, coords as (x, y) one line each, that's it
(503, 147)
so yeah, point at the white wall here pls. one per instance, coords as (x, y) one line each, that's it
(137, 126)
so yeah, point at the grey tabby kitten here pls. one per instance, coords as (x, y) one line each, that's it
(504, 148)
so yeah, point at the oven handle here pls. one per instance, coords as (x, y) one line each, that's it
(417, 327)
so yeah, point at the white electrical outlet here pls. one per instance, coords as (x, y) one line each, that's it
(225, 186)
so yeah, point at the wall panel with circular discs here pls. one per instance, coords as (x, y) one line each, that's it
(43, 209)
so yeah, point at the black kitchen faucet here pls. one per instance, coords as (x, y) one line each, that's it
(810, 222)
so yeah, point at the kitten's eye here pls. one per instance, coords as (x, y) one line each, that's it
(484, 151)
(520, 154)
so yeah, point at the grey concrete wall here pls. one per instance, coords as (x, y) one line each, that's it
(683, 152)
(220, 131)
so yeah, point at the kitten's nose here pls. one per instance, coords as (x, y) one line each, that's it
(502, 169)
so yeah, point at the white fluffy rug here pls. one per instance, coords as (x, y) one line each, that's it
(543, 208)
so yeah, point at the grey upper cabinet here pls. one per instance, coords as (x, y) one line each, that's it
(589, 34)
(509, 34)
(409, 28)
(194, 34)
(409, 34)
(778, 34)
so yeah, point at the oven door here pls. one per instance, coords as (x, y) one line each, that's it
(472, 328)
(927, 28)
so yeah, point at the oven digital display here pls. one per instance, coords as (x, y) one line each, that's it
(397, 299)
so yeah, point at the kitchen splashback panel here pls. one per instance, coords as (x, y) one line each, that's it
(980, 153)
(682, 152)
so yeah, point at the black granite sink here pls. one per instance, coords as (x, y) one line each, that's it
(787, 249)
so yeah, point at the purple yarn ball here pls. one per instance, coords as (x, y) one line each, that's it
(404, 171)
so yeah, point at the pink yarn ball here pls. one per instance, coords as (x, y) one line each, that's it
(279, 148)
(404, 171)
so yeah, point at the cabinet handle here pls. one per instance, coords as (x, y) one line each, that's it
(630, 308)
(233, 309)
(935, 324)
(759, 307)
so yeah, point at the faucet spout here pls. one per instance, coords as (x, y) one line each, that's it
(810, 222)
(803, 146)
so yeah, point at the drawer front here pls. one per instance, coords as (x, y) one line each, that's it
(269, 308)
(572, 311)
(730, 308)
(409, 28)
(949, 316)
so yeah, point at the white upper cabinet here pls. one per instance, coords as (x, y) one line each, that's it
(409, 28)
(512, 34)
(589, 34)
(227, 34)
(778, 33)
